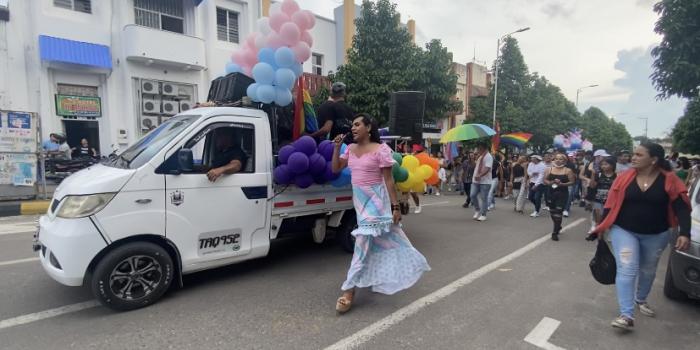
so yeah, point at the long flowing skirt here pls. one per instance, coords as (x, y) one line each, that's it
(384, 258)
(520, 199)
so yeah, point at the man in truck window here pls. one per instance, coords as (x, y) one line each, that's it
(334, 116)
(228, 158)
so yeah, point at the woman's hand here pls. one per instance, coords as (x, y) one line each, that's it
(682, 243)
(396, 214)
(338, 141)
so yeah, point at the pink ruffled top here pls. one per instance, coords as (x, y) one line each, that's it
(367, 169)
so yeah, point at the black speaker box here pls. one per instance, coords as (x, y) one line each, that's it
(406, 114)
(230, 88)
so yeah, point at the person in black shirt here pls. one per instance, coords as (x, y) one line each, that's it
(229, 158)
(334, 116)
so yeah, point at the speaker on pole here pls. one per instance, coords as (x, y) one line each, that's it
(406, 114)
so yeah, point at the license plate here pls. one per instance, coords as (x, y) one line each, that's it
(219, 242)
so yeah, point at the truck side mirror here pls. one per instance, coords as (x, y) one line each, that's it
(185, 160)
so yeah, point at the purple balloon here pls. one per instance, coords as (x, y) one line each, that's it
(282, 175)
(326, 150)
(323, 144)
(306, 145)
(298, 163)
(304, 180)
(317, 164)
(320, 179)
(284, 153)
(330, 176)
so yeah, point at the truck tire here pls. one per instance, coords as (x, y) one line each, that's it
(670, 290)
(344, 233)
(132, 276)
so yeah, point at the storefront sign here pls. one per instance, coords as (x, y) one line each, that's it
(431, 127)
(78, 106)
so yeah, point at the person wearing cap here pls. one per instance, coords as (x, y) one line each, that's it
(623, 161)
(535, 175)
(334, 116)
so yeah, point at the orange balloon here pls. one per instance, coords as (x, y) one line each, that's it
(434, 163)
(423, 158)
(433, 180)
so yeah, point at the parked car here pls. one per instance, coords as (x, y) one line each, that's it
(683, 271)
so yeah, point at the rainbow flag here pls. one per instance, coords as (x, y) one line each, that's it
(304, 114)
(517, 139)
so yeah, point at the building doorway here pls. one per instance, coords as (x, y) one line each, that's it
(77, 130)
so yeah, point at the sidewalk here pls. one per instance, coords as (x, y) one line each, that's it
(29, 207)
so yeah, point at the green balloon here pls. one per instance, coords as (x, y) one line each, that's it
(400, 174)
(397, 157)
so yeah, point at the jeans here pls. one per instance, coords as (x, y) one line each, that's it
(468, 190)
(480, 191)
(492, 192)
(535, 195)
(572, 194)
(637, 257)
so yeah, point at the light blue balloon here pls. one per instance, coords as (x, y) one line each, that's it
(285, 78)
(252, 91)
(298, 69)
(266, 93)
(284, 57)
(232, 68)
(283, 96)
(267, 55)
(343, 180)
(263, 73)
(343, 147)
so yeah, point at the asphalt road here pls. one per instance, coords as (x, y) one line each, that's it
(491, 285)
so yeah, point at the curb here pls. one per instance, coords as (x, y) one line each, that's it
(24, 208)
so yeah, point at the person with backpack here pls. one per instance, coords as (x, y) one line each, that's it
(334, 116)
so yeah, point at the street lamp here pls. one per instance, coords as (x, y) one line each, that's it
(646, 127)
(580, 89)
(495, 78)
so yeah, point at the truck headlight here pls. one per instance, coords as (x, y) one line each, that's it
(82, 206)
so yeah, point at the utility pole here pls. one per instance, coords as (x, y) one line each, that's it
(646, 127)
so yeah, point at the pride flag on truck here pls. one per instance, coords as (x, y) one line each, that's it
(304, 114)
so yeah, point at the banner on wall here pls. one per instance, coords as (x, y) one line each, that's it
(18, 169)
(17, 132)
(78, 106)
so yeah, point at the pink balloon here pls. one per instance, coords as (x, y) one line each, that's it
(306, 37)
(290, 7)
(301, 19)
(277, 20)
(237, 57)
(276, 7)
(250, 58)
(302, 51)
(290, 33)
(275, 41)
(250, 40)
(311, 17)
(248, 71)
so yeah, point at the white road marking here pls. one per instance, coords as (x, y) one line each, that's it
(369, 332)
(11, 229)
(436, 203)
(542, 332)
(18, 261)
(42, 315)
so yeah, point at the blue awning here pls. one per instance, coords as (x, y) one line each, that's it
(197, 2)
(76, 52)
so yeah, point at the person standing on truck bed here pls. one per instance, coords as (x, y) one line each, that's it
(334, 116)
(229, 158)
(384, 258)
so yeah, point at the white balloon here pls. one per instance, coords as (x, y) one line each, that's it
(264, 25)
(260, 41)
(275, 8)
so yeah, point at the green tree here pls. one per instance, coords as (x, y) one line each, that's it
(320, 97)
(436, 78)
(548, 113)
(603, 131)
(677, 58)
(686, 133)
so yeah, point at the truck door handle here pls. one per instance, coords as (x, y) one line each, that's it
(143, 201)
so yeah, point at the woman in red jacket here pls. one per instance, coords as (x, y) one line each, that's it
(643, 205)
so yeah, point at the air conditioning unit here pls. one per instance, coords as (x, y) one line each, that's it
(150, 106)
(170, 107)
(169, 89)
(149, 87)
(148, 123)
(185, 105)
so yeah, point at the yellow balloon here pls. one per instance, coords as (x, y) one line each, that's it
(410, 163)
(403, 187)
(412, 179)
(419, 187)
(424, 172)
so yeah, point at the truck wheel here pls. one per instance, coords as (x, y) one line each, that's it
(344, 233)
(670, 290)
(132, 276)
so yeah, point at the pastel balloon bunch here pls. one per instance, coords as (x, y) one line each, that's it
(413, 172)
(273, 55)
(303, 164)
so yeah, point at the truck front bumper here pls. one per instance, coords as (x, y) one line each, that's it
(66, 247)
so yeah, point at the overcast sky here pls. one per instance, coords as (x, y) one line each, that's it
(573, 43)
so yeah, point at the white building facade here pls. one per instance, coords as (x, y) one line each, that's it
(110, 70)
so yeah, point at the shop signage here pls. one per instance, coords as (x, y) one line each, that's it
(431, 127)
(78, 106)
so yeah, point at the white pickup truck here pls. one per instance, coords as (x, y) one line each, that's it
(130, 226)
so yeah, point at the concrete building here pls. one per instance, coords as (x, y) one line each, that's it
(110, 70)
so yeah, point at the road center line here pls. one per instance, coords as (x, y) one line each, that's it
(369, 332)
(42, 315)
(18, 261)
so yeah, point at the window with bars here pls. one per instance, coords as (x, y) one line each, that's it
(160, 14)
(227, 25)
(75, 5)
(317, 63)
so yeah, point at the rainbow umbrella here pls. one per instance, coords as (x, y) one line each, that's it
(467, 132)
(517, 139)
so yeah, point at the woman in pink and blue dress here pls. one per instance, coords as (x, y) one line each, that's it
(384, 258)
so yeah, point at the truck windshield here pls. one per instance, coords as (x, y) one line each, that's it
(147, 147)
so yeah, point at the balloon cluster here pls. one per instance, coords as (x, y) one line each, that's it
(273, 55)
(303, 164)
(413, 172)
(572, 141)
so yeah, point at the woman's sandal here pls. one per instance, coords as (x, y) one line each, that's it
(343, 305)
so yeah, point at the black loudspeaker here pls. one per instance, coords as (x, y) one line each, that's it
(230, 88)
(406, 114)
